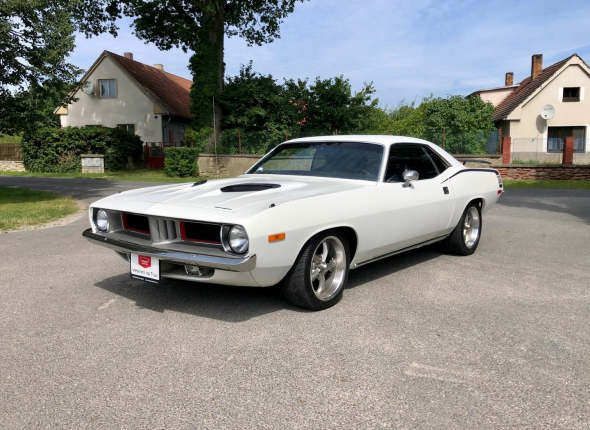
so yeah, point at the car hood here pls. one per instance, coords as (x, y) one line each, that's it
(233, 194)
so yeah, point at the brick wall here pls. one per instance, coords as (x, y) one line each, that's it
(512, 171)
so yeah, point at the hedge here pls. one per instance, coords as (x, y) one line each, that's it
(57, 150)
(181, 161)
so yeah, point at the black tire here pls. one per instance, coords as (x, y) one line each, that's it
(456, 243)
(298, 286)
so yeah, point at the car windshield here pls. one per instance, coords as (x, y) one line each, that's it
(347, 160)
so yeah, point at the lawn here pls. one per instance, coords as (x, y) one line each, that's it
(147, 175)
(547, 184)
(20, 207)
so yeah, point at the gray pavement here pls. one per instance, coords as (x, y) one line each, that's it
(422, 340)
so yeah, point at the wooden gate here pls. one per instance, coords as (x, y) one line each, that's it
(154, 153)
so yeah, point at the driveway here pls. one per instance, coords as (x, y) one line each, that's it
(422, 340)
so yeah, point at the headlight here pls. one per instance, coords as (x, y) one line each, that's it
(102, 220)
(238, 239)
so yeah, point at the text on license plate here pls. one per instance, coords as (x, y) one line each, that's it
(145, 268)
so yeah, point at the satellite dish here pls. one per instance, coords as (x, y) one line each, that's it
(88, 88)
(547, 112)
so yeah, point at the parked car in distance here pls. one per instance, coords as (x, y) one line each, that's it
(302, 216)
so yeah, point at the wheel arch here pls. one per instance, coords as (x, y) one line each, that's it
(349, 234)
(480, 200)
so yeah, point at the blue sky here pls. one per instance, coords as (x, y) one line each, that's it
(407, 48)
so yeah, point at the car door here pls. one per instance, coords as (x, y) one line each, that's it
(419, 212)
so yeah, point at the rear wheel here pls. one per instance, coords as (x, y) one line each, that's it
(465, 237)
(319, 275)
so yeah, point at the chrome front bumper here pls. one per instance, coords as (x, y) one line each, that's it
(231, 264)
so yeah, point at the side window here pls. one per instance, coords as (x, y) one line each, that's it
(409, 157)
(440, 164)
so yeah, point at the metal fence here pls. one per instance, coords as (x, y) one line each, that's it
(536, 151)
(10, 152)
(581, 151)
(547, 151)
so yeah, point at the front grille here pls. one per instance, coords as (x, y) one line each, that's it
(166, 229)
(200, 232)
(136, 223)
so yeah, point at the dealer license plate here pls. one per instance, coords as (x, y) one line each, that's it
(145, 268)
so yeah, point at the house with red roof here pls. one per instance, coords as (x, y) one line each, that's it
(118, 91)
(543, 109)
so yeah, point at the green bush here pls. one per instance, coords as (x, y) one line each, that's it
(58, 150)
(181, 161)
(198, 139)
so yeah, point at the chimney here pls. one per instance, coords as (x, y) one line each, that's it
(536, 65)
(159, 67)
(509, 81)
(128, 55)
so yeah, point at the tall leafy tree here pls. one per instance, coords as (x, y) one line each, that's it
(467, 122)
(200, 26)
(255, 102)
(36, 37)
(330, 104)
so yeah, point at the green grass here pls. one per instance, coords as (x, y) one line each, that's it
(20, 207)
(148, 175)
(547, 184)
(4, 138)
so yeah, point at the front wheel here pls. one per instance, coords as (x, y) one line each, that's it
(319, 275)
(465, 238)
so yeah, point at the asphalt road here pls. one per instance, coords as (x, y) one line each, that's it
(423, 340)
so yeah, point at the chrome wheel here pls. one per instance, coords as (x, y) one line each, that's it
(328, 268)
(471, 227)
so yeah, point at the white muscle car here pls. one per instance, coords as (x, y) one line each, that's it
(301, 217)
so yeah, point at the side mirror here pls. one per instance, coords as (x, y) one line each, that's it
(409, 176)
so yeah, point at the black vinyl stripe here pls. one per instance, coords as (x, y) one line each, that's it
(471, 170)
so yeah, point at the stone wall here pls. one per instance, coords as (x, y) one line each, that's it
(575, 172)
(11, 166)
(227, 165)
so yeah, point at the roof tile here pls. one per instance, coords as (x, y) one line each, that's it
(169, 90)
(525, 89)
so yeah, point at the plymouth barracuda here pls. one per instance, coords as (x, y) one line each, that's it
(303, 216)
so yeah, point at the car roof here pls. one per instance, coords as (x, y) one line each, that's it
(379, 139)
(361, 138)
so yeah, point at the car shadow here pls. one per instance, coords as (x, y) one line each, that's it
(238, 304)
(391, 265)
(220, 302)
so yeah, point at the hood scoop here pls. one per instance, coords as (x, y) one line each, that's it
(242, 188)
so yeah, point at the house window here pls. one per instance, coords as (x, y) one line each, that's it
(181, 133)
(571, 94)
(129, 127)
(108, 88)
(556, 138)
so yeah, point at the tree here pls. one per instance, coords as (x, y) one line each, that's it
(33, 108)
(329, 104)
(200, 26)
(36, 36)
(467, 122)
(255, 102)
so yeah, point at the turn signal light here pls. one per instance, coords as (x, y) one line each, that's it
(276, 237)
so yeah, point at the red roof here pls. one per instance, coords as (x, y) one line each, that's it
(168, 90)
(525, 89)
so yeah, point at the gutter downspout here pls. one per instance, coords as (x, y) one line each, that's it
(164, 131)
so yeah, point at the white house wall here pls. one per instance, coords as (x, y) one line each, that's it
(131, 106)
(495, 97)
